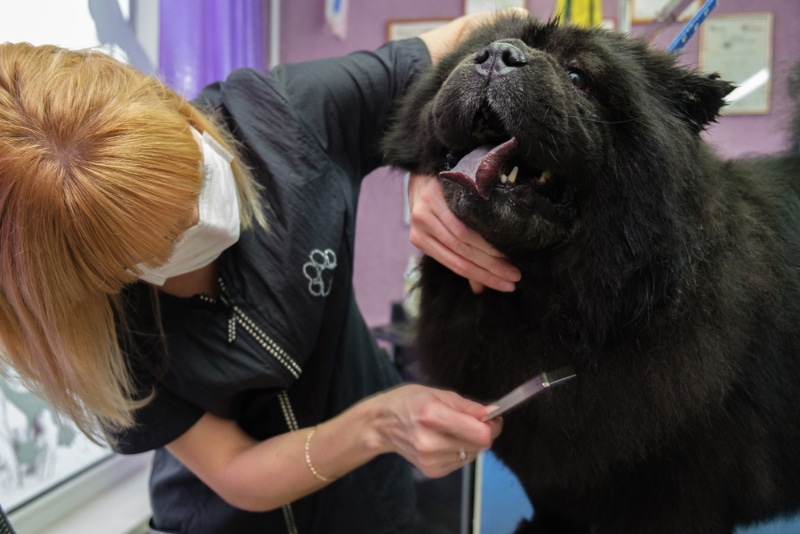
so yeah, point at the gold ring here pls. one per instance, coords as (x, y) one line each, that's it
(462, 455)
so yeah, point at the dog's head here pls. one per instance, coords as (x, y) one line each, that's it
(540, 131)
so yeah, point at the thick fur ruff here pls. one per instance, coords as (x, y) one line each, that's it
(667, 277)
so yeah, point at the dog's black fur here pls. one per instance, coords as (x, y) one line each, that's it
(667, 277)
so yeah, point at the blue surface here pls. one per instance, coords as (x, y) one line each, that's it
(504, 503)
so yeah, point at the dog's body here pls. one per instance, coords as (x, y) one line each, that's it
(669, 279)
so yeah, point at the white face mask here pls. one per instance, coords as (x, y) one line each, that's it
(219, 222)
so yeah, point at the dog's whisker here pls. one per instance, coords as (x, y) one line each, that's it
(600, 121)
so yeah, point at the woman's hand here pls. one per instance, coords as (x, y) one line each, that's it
(437, 232)
(428, 427)
(443, 39)
(436, 430)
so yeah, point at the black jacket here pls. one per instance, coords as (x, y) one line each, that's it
(285, 346)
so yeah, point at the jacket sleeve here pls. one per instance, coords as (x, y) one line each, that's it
(346, 102)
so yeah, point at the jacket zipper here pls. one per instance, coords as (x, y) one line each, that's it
(277, 352)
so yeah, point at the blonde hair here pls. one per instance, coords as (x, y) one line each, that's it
(98, 172)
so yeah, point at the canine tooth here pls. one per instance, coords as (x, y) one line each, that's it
(544, 177)
(503, 178)
(512, 178)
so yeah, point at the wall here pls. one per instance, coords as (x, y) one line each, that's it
(382, 247)
(737, 135)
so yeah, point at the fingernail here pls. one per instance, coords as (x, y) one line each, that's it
(508, 287)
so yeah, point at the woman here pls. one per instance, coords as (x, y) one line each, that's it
(177, 277)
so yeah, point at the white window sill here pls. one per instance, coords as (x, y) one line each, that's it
(111, 498)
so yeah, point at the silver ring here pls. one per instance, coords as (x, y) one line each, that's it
(462, 455)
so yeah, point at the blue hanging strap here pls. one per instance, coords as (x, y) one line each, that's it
(688, 31)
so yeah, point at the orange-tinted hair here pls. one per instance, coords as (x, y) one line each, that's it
(98, 172)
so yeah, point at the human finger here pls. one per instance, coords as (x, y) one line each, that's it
(477, 276)
(461, 419)
(480, 255)
(437, 232)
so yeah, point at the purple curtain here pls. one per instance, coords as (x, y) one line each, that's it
(202, 41)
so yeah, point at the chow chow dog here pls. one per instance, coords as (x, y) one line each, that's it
(668, 278)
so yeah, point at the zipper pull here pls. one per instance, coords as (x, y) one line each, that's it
(226, 303)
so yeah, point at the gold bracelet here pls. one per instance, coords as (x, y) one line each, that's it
(308, 459)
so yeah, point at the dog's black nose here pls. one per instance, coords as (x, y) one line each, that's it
(499, 59)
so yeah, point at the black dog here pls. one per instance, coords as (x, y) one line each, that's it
(669, 279)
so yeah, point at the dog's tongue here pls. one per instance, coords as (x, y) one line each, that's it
(479, 170)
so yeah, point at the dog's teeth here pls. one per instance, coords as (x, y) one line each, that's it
(512, 178)
(509, 178)
(544, 178)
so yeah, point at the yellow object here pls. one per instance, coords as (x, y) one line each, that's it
(308, 459)
(586, 13)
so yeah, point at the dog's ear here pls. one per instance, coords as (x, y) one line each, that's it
(699, 98)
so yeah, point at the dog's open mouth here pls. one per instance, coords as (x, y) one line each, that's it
(497, 168)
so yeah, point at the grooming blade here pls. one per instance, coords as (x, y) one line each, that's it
(531, 388)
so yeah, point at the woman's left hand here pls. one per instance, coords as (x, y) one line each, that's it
(443, 39)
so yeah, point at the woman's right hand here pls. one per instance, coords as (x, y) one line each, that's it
(426, 426)
(431, 427)
(437, 232)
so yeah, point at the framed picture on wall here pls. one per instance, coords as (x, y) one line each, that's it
(739, 48)
(480, 6)
(405, 28)
(647, 11)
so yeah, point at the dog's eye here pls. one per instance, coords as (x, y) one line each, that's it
(579, 81)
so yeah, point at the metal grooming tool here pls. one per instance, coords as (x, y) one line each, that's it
(531, 388)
